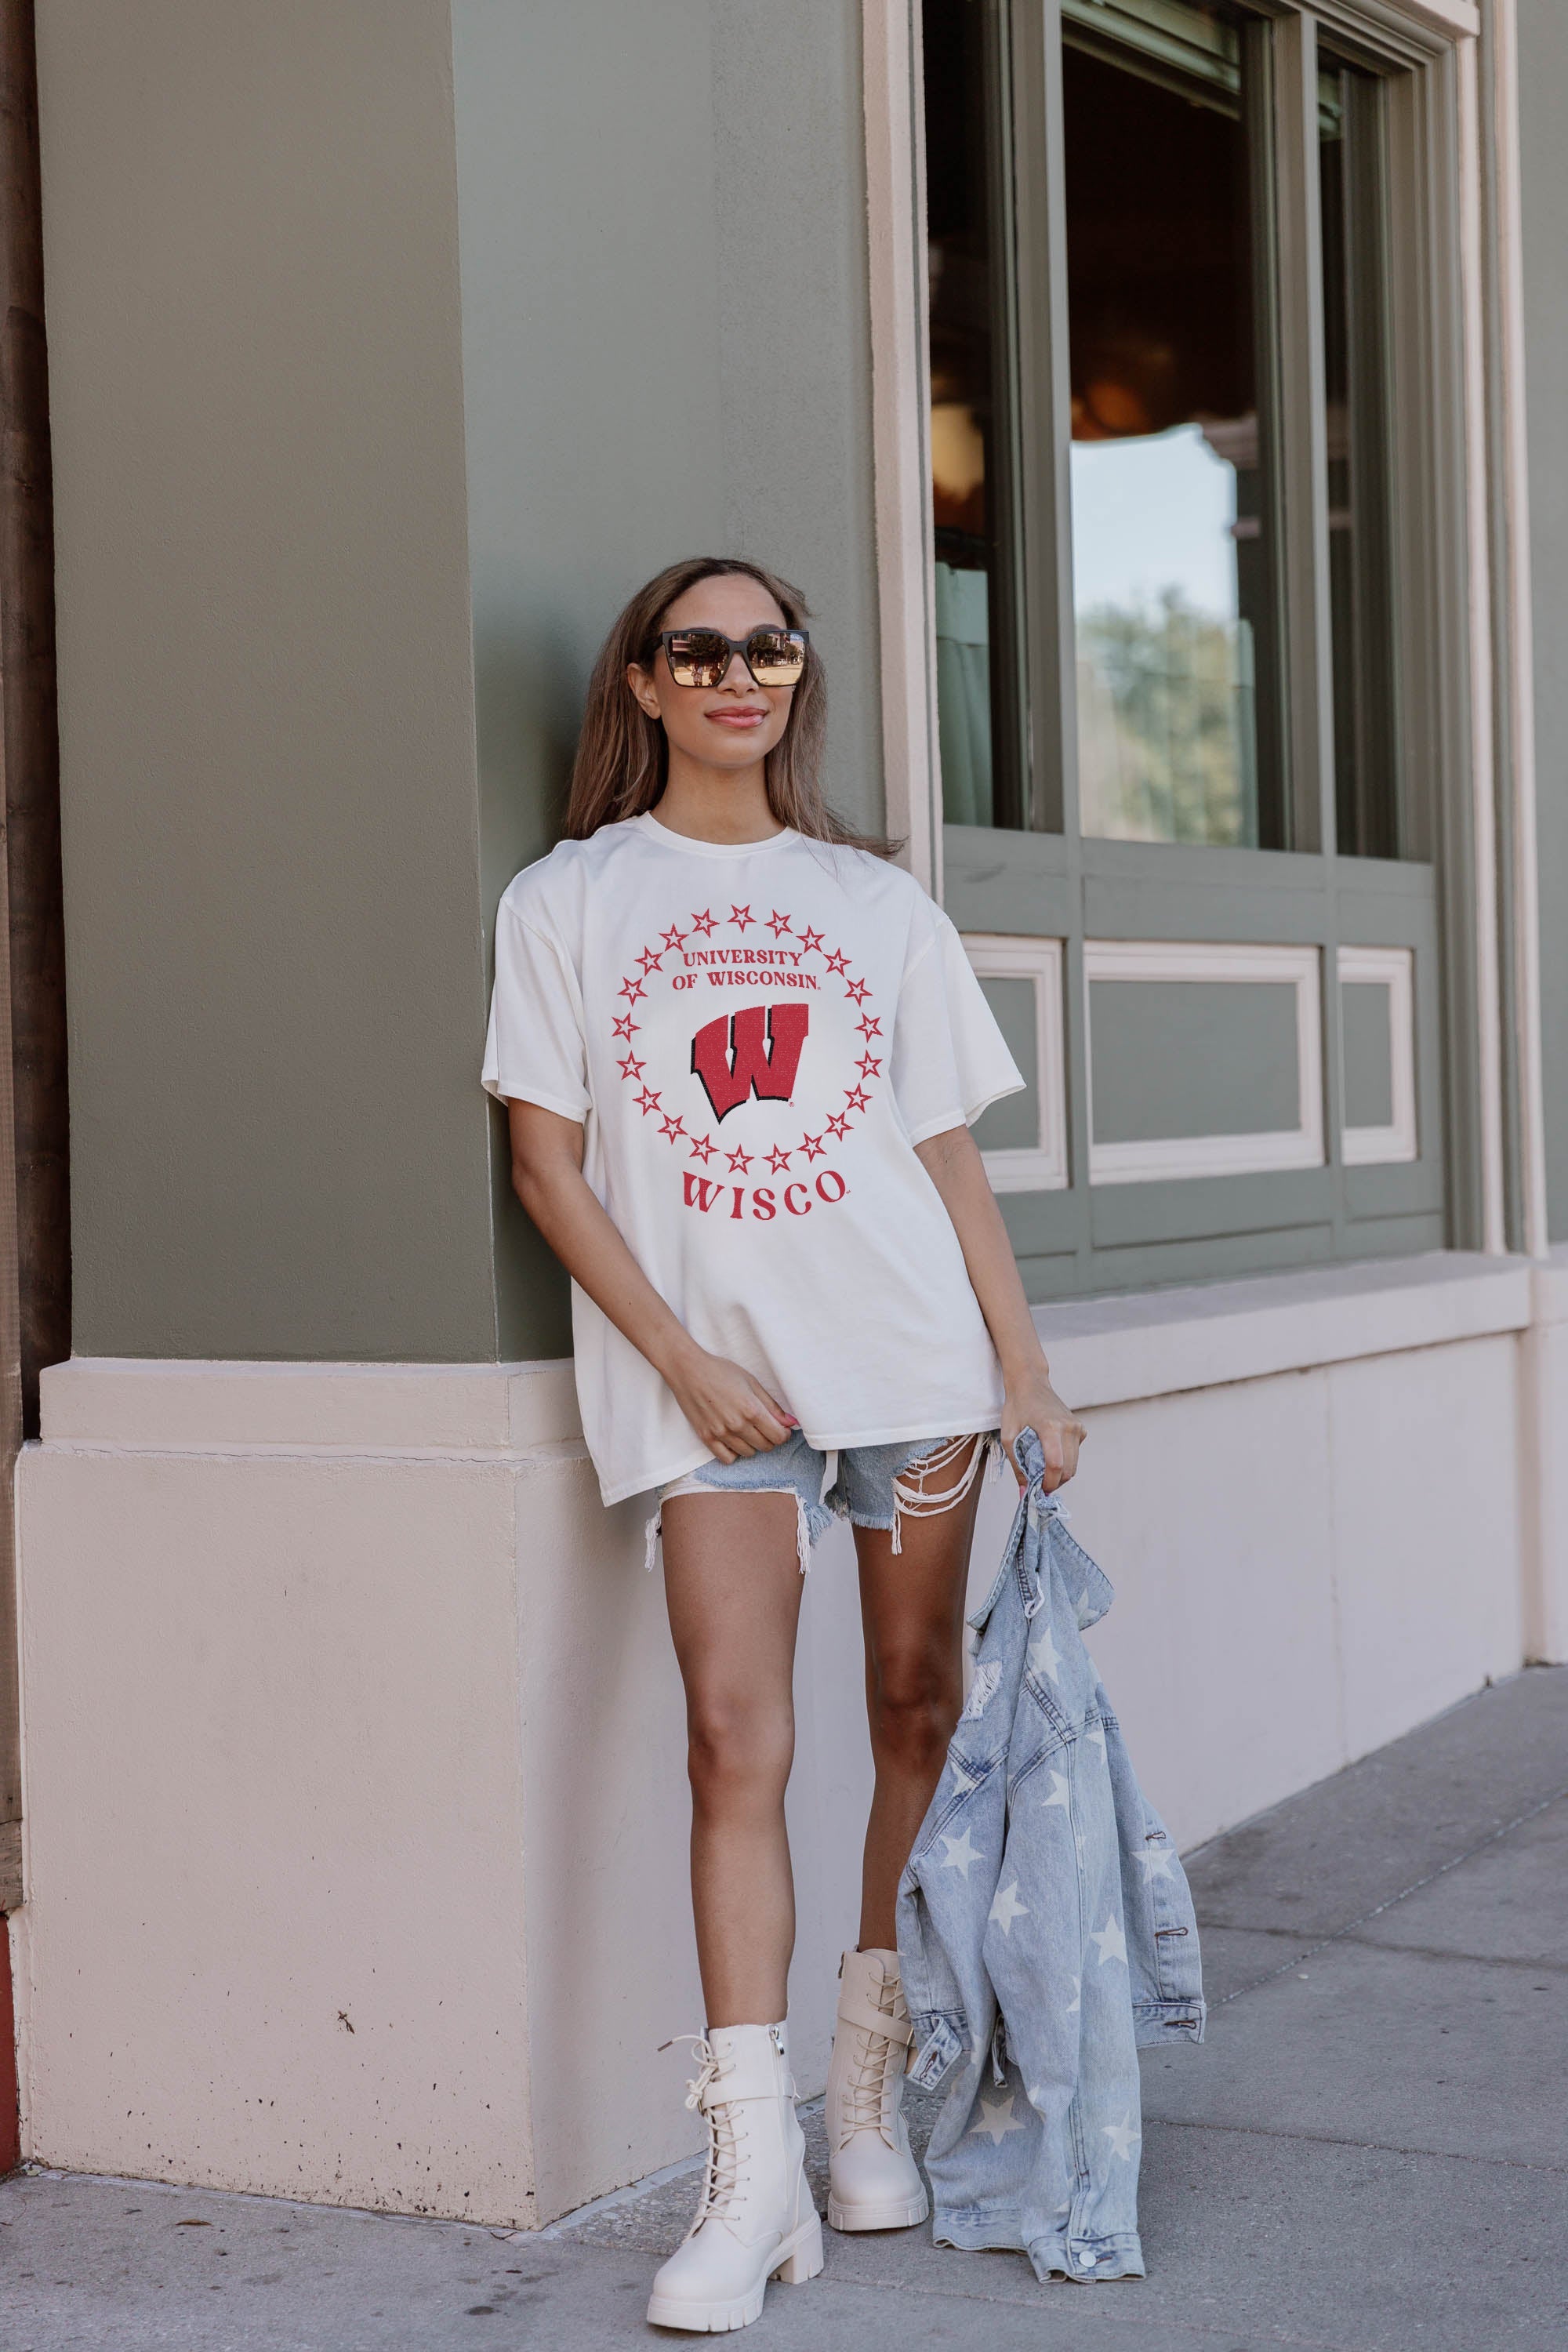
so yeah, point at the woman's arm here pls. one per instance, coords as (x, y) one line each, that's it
(954, 1166)
(732, 1413)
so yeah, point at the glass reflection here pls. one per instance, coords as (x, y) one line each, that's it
(1175, 536)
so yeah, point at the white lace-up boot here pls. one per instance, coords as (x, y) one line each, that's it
(873, 2182)
(756, 2220)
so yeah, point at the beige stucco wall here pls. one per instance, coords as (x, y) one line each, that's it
(346, 1700)
(282, 1798)
(328, 1725)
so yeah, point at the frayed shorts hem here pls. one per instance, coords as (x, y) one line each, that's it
(865, 1484)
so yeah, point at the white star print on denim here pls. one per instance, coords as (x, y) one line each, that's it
(997, 2119)
(1043, 1657)
(1007, 1907)
(960, 1852)
(1112, 1941)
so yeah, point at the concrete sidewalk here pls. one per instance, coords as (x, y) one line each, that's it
(1370, 2154)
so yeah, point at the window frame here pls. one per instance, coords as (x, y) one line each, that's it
(1258, 1152)
(1423, 174)
(1041, 1167)
(1057, 884)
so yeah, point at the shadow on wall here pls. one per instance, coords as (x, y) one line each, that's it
(530, 674)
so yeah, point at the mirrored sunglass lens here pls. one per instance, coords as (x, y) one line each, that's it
(698, 658)
(775, 657)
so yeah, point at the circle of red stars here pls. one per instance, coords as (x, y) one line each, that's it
(705, 1148)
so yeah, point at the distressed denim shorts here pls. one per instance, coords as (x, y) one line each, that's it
(869, 1486)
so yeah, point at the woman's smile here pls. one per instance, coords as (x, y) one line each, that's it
(741, 717)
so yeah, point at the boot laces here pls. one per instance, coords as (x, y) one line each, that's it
(870, 2092)
(725, 2173)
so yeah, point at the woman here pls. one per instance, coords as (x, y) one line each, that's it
(741, 1053)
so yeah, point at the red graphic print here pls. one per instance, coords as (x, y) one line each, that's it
(752, 1054)
(757, 1051)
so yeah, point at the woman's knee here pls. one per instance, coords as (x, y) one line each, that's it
(916, 1699)
(738, 1749)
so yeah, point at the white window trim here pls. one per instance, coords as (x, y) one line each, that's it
(1393, 969)
(1175, 960)
(1042, 1169)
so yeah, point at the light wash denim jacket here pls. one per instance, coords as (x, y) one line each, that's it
(1045, 1928)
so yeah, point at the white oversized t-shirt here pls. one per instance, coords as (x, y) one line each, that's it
(755, 1037)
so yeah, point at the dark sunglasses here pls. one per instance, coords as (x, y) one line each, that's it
(702, 657)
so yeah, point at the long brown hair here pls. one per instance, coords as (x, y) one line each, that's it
(623, 757)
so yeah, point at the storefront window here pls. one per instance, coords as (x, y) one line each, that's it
(1175, 527)
(1198, 483)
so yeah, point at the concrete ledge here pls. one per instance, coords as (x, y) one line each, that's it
(1160, 1343)
(361, 1408)
(1103, 1352)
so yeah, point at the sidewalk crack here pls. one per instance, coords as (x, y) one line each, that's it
(1289, 1967)
(1369, 2147)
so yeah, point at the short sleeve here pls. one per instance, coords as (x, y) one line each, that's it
(534, 1050)
(950, 1060)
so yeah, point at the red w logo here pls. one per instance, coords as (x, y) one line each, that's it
(753, 1051)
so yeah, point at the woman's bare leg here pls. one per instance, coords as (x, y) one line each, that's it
(911, 1611)
(732, 1583)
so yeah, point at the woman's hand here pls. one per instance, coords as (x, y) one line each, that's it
(1031, 1402)
(732, 1413)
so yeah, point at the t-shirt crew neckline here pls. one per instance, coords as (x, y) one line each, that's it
(686, 845)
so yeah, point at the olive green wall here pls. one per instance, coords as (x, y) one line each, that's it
(1544, 80)
(665, 352)
(265, 708)
(333, 291)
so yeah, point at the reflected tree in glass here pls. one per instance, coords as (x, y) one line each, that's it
(1175, 533)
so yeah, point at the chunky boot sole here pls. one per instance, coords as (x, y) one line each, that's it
(799, 2258)
(879, 2217)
